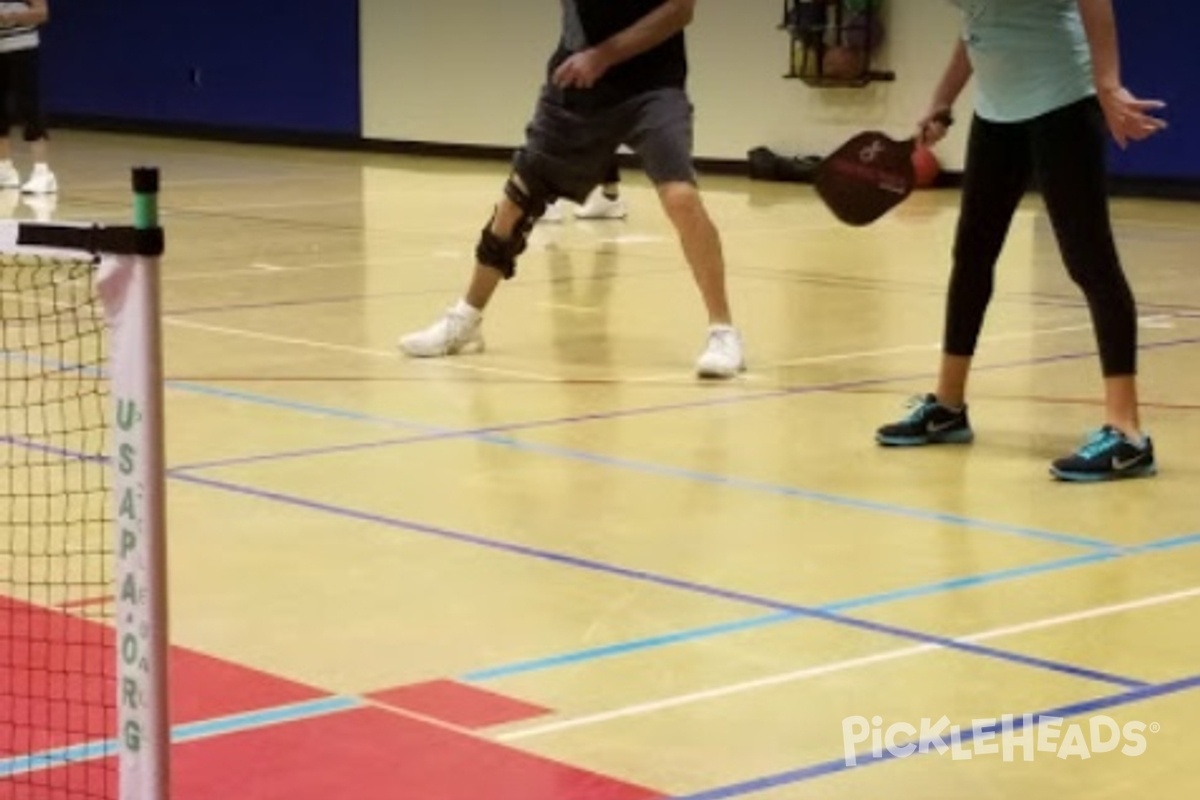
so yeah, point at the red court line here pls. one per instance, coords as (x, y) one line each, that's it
(457, 704)
(57, 671)
(371, 754)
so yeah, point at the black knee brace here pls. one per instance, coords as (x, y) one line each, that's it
(501, 254)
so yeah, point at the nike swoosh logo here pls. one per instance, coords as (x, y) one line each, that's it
(938, 427)
(1121, 464)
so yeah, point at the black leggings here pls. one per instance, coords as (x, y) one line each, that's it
(19, 86)
(1066, 150)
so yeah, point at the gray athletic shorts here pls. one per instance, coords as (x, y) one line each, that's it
(569, 146)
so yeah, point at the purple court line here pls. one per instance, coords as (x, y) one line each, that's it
(345, 298)
(599, 416)
(1046, 299)
(665, 580)
(841, 282)
(38, 447)
(924, 746)
(442, 434)
(368, 298)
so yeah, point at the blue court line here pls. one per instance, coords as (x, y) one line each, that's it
(661, 580)
(622, 648)
(798, 610)
(1170, 543)
(968, 733)
(49, 759)
(865, 601)
(482, 434)
(813, 495)
(971, 581)
(822, 612)
(743, 484)
(710, 631)
(186, 732)
(790, 613)
(329, 412)
(489, 436)
(437, 433)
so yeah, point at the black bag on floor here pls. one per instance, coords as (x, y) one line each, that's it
(767, 165)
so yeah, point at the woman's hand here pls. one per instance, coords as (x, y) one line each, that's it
(932, 127)
(1128, 117)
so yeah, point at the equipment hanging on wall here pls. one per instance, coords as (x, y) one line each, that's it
(834, 43)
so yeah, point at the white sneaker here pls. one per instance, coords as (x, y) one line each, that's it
(555, 212)
(723, 357)
(9, 177)
(42, 181)
(457, 332)
(600, 207)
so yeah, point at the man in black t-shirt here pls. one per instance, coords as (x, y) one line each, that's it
(618, 77)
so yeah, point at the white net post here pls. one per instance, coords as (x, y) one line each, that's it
(129, 286)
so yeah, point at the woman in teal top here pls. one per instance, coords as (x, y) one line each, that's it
(1048, 83)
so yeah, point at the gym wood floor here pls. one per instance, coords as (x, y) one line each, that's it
(396, 579)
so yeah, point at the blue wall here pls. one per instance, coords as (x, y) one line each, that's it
(251, 64)
(1160, 59)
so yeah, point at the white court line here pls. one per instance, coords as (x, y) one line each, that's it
(864, 354)
(450, 363)
(1147, 322)
(574, 309)
(257, 268)
(633, 238)
(1158, 321)
(344, 348)
(232, 209)
(842, 666)
(1001, 337)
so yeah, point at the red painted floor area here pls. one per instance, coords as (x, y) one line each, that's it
(369, 754)
(57, 684)
(457, 704)
(55, 678)
(92, 781)
(372, 754)
(365, 754)
(362, 754)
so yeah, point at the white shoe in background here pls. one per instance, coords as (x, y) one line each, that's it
(41, 181)
(9, 177)
(554, 212)
(600, 206)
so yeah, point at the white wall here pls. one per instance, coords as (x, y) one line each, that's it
(467, 71)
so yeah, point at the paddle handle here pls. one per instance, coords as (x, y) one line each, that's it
(945, 117)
